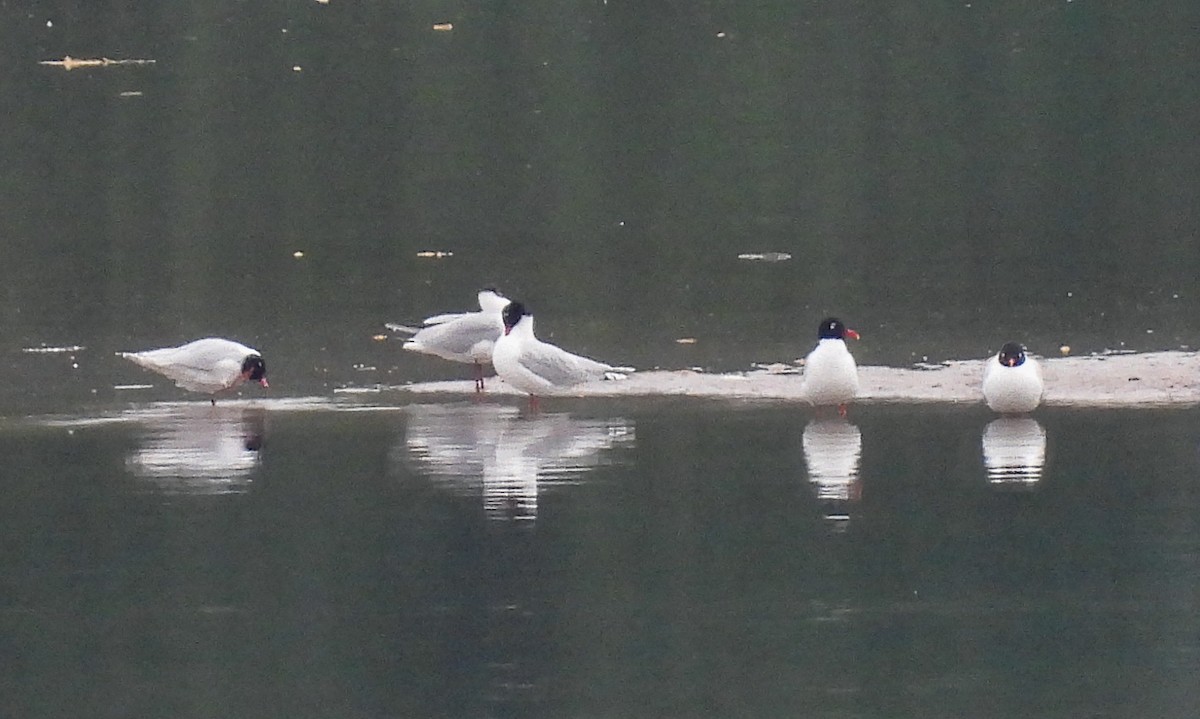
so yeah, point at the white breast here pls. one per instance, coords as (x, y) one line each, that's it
(1012, 390)
(830, 374)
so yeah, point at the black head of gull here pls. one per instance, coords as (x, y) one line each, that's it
(255, 370)
(832, 329)
(1012, 354)
(512, 315)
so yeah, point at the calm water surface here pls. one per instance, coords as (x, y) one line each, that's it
(945, 177)
(615, 559)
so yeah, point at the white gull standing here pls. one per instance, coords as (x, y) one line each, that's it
(1012, 381)
(466, 337)
(539, 368)
(830, 374)
(208, 365)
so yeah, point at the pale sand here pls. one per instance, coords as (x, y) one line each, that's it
(1117, 380)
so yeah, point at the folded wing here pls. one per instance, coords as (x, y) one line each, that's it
(559, 367)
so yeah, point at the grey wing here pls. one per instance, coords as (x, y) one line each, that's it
(459, 336)
(223, 374)
(204, 365)
(443, 319)
(559, 367)
(189, 375)
(201, 355)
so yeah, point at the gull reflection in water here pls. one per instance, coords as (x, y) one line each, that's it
(196, 448)
(832, 451)
(496, 455)
(506, 455)
(1014, 452)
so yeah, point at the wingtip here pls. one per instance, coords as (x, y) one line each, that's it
(403, 329)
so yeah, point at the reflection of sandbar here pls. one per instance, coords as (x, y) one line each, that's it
(1126, 380)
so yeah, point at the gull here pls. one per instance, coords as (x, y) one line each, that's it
(830, 375)
(466, 337)
(1012, 381)
(208, 365)
(540, 368)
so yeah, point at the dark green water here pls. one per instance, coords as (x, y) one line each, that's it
(946, 177)
(637, 560)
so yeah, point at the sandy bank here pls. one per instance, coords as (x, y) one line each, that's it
(1118, 380)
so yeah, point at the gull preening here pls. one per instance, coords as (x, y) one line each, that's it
(830, 374)
(540, 368)
(466, 337)
(1012, 381)
(208, 365)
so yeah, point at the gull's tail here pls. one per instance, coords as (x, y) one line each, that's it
(615, 373)
(402, 329)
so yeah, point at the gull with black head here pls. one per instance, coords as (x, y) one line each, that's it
(540, 368)
(1012, 380)
(209, 366)
(830, 374)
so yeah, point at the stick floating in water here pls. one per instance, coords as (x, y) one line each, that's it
(74, 63)
(765, 256)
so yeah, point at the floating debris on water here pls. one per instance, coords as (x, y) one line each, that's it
(122, 387)
(776, 368)
(72, 63)
(379, 338)
(53, 350)
(130, 93)
(357, 390)
(297, 68)
(437, 254)
(1065, 350)
(298, 254)
(765, 256)
(686, 341)
(443, 26)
